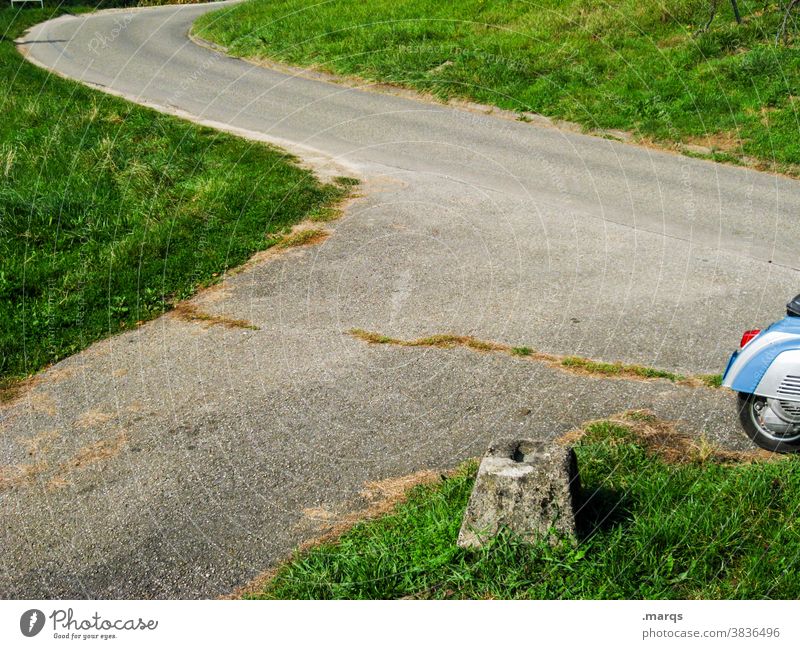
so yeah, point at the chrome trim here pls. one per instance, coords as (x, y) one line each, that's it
(781, 381)
(752, 349)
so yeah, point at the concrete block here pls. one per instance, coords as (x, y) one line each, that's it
(530, 488)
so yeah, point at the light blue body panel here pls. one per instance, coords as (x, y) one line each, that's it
(746, 377)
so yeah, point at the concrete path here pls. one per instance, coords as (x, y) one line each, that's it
(181, 460)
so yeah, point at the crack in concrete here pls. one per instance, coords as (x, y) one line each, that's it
(573, 364)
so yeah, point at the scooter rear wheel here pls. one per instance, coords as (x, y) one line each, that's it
(749, 407)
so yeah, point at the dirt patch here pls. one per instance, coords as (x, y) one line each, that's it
(92, 418)
(764, 114)
(20, 475)
(11, 389)
(380, 498)
(100, 451)
(662, 439)
(672, 41)
(41, 402)
(24, 475)
(303, 237)
(318, 514)
(725, 142)
(385, 495)
(59, 373)
(39, 443)
(190, 313)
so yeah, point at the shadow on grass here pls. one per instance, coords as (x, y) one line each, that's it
(601, 509)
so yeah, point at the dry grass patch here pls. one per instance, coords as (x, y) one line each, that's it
(724, 142)
(662, 439)
(39, 443)
(190, 313)
(303, 237)
(99, 451)
(443, 341)
(11, 389)
(379, 498)
(24, 475)
(92, 418)
(21, 475)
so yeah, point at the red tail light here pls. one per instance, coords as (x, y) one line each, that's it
(748, 336)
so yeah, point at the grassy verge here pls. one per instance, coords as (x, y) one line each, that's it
(633, 65)
(662, 517)
(111, 213)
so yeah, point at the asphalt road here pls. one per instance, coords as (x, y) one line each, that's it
(180, 460)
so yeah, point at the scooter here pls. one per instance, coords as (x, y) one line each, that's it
(765, 373)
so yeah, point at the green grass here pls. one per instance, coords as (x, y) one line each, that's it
(649, 529)
(110, 213)
(634, 64)
(620, 369)
(521, 351)
(711, 380)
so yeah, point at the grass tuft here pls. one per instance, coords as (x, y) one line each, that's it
(618, 369)
(372, 338)
(437, 340)
(346, 181)
(711, 380)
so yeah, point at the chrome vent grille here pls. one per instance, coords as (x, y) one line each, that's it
(791, 408)
(790, 386)
(787, 410)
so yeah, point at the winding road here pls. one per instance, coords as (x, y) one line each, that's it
(205, 454)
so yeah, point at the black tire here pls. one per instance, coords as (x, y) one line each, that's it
(770, 442)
